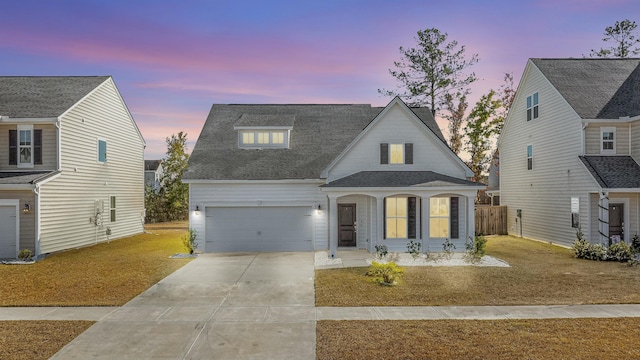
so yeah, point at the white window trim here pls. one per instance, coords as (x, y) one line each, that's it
(113, 209)
(602, 141)
(255, 145)
(98, 150)
(448, 217)
(402, 146)
(30, 129)
(533, 106)
(406, 218)
(529, 157)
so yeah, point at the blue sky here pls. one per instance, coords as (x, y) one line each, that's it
(172, 60)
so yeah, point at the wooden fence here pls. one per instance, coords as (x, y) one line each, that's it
(491, 220)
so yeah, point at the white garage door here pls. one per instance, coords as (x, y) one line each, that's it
(7, 232)
(233, 229)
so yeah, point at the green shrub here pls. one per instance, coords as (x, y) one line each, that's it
(381, 251)
(385, 273)
(619, 252)
(413, 248)
(448, 247)
(190, 241)
(25, 255)
(635, 244)
(476, 249)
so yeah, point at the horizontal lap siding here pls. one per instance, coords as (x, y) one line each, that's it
(49, 148)
(203, 195)
(27, 221)
(68, 201)
(429, 154)
(544, 193)
(635, 140)
(592, 138)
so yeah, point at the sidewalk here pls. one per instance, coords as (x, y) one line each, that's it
(365, 313)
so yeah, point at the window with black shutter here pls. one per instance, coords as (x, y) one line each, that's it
(13, 147)
(412, 218)
(384, 153)
(37, 146)
(454, 219)
(408, 153)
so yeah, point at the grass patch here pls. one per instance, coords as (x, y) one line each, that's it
(107, 274)
(539, 274)
(35, 340)
(479, 339)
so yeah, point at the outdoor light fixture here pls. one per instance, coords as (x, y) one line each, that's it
(319, 209)
(26, 208)
(197, 212)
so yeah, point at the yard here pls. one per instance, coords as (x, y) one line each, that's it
(108, 274)
(540, 274)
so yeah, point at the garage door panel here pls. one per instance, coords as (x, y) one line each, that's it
(8, 232)
(259, 229)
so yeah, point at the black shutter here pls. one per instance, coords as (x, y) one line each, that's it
(411, 217)
(454, 221)
(37, 147)
(384, 153)
(384, 218)
(408, 153)
(13, 147)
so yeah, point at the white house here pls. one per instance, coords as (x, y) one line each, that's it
(312, 177)
(71, 164)
(569, 151)
(153, 172)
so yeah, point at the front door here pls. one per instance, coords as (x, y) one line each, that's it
(346, 224)
(616, 223)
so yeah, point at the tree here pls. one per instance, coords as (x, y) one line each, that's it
(622, 33)
(174, 192)
(482, 125)
(456, 119)
(430, 71)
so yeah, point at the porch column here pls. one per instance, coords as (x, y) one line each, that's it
(471, 218)
(424, 215)
(603, 218)
(333, 226)
(380, 219)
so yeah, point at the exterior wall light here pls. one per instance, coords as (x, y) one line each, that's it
(26, 209)
(319, 209)
(197, 211)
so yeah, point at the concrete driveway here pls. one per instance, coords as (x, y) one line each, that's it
(219, 306)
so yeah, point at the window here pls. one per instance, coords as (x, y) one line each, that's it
(439, 217)
(112, 209)
(263, 138)
(396, 153)
(25, 146)
(396, 213)
(529, 157)
(102, 151)
(532, 107)
(608, 143)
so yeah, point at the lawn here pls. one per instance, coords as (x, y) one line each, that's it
(107, 274)
(479, 339)
(37, 339)
(539, 274)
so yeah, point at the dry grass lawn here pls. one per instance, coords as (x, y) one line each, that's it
(107, 274)
(539, 274)
(35, 340)
(476, 339)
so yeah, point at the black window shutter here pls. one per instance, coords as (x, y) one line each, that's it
(384, 218)
(408, 153)
(411, 214)
(13, 147)
(453, 219)
(384, 153)
(37, 146)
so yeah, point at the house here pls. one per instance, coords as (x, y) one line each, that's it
(153, 173)
(71, 164)
(317, 177)
(569, 151)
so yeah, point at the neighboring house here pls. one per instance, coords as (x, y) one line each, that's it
(569, 151)
(153, 173)
(71, 164)
(313, 177)
(493, 179)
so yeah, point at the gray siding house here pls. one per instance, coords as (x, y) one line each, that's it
(569, 151)
(153, 174)
(71, 164)
(317, 177)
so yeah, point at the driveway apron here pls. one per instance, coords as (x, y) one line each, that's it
(218, 306)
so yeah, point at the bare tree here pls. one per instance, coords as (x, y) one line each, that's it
(623, 34)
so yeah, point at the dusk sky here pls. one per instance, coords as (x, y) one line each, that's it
(172, 60)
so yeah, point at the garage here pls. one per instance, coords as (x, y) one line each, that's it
(237, 229)
(8, 228)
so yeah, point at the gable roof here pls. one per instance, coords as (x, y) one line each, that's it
(596, 88)
(320, 133)
(43, 96)
(399, 179)
(611, 172)
(151, 165)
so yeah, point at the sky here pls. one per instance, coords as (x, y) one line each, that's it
(172, 60)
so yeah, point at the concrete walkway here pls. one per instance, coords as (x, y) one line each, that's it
(248, 306)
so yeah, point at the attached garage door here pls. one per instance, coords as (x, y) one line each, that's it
(7, 232)
(233, 229)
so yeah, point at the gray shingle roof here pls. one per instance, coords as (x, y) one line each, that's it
(43, 96)
(596, 88)
(151, 165)
(398, 179)
(320, 133)
(26, 177)
(612, 172)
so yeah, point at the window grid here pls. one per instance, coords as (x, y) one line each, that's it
(529, 157)
(532, 107)
(396, 217)
(439, 217)
(257, 138)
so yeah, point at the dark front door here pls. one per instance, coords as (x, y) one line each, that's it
(616, 221)
(346, 224)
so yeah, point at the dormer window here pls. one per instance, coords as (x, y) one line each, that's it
(260, 131)
(608, 142)
(262, 138)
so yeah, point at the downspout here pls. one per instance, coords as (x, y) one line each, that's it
(583, 150)
(36, 191)
(58, 125)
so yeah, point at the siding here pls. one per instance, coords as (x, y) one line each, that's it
(428, 151)
(592, 138)
(27, 221)
(257, 194)
(635, 140)
(544, 193)
(67, 202)
(49, 148)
